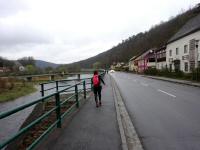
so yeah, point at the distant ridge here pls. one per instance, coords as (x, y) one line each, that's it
(44, 64)
(156, 37)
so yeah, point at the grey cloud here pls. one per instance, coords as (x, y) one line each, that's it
(11, 35)
(10, 7)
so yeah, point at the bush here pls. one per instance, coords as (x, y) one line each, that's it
(6, 83)
(178, 74)
(164, 72)
(188, 76)
(151, 71)
(2, 83)
(196, 74)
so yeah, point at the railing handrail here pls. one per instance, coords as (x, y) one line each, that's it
(15, 110)
(68, 79)
(48, 82)
(60, 81)
(56, 108)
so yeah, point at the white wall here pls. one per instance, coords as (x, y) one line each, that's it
(131, 65)
(161, 65)
(180, 44)
(151, 64)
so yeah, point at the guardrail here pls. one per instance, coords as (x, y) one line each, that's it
(75, 91)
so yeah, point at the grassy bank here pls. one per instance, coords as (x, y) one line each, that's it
(17, 89)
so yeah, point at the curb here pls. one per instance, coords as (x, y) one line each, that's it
(179, 82)
(129, 137)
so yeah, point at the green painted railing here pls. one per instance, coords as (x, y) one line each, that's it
(75, 92)
(56, 85)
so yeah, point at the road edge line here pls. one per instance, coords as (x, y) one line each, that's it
(129, 137)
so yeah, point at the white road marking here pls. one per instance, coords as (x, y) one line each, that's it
(166, 93)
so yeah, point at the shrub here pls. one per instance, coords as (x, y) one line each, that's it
(151, 71)
(178, 74)
(2, 83)
(7, 83)
(196, 74)
(188, 76)
(164, 72)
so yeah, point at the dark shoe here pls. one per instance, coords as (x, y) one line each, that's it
(99, 103)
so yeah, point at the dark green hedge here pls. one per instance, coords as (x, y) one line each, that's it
(195, 75)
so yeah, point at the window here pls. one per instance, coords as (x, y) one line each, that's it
(186, 66)
(164, 54)
(185, 49)
(170, 52)
(177, 51)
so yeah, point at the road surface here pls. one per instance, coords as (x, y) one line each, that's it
(165, 115)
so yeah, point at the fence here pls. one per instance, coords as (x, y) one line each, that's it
(75, 91)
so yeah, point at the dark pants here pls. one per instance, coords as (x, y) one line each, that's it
(97, 91)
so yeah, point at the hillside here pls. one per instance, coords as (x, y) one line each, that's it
(44, 64)
(157, 36)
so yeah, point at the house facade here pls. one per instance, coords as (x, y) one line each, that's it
(119, 66)
(182, 51)
(161, 58)
(131, 64)
(146, 60)
(4, 69)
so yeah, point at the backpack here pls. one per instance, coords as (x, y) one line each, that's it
(96, 81)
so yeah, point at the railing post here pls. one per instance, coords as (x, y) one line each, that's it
(84, 89)
(58, 113)
(56, 86)
(42, 90)
(79, 76)
(91, 86)
(76, 95)
(42, 94)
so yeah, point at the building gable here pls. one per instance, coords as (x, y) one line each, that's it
(191, 26)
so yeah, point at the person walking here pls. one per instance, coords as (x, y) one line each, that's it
(96, 82)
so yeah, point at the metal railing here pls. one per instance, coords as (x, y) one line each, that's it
(75, 93)
(58, 84)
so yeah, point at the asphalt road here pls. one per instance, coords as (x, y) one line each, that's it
(165, 115)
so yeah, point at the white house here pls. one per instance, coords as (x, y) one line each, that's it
(131, 64)
(182, 51)
(161, 58)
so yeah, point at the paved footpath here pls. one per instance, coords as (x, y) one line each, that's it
(92, 128)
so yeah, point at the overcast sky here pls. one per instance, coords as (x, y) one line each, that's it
(64, 31)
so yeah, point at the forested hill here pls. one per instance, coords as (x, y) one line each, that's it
(157, 36)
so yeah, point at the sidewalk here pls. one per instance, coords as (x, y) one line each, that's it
(91, 128)
(174, 80)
